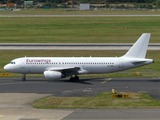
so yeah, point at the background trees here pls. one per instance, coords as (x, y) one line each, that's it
(82, 1)
(55, 3)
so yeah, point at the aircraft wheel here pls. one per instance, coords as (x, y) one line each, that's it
(71, 79)
(76, 78)
(23, 79)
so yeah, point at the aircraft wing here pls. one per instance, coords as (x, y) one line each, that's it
(66, 70)
(61, 69)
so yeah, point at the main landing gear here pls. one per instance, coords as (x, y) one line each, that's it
(73, 79)
(24, 77)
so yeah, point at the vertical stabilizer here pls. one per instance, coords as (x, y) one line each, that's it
(139, 49)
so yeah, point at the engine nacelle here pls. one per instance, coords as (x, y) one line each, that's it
(53, 75)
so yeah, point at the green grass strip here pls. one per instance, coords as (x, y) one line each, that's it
(103, 100)
(77, 29)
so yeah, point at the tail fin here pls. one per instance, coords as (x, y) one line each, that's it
(139, 49)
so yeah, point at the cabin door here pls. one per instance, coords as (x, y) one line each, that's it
(22, 63)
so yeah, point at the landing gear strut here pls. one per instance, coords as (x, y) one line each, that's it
(73, 79)
(24, 77)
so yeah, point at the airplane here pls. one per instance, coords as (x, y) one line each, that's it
(60, 67)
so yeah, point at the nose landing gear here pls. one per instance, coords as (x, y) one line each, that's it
(24, 77)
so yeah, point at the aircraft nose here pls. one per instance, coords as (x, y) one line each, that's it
(6, 67)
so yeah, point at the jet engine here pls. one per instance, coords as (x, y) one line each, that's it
(53, 75)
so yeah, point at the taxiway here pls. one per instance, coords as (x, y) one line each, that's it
(72, 46)
(16, 96)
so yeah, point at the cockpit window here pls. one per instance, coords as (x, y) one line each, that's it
(13, 62)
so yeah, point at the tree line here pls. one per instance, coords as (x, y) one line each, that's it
(80, 1)
(54, 3)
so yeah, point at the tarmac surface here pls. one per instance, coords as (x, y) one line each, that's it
(15, 96)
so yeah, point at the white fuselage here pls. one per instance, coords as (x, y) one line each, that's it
(88, 65)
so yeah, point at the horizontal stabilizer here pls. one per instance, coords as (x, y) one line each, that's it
(138, 62)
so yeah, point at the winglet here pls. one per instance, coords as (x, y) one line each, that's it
(139, 49)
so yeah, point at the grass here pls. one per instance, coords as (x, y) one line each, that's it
(7, 55)
(77, 29)
(103, 100)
